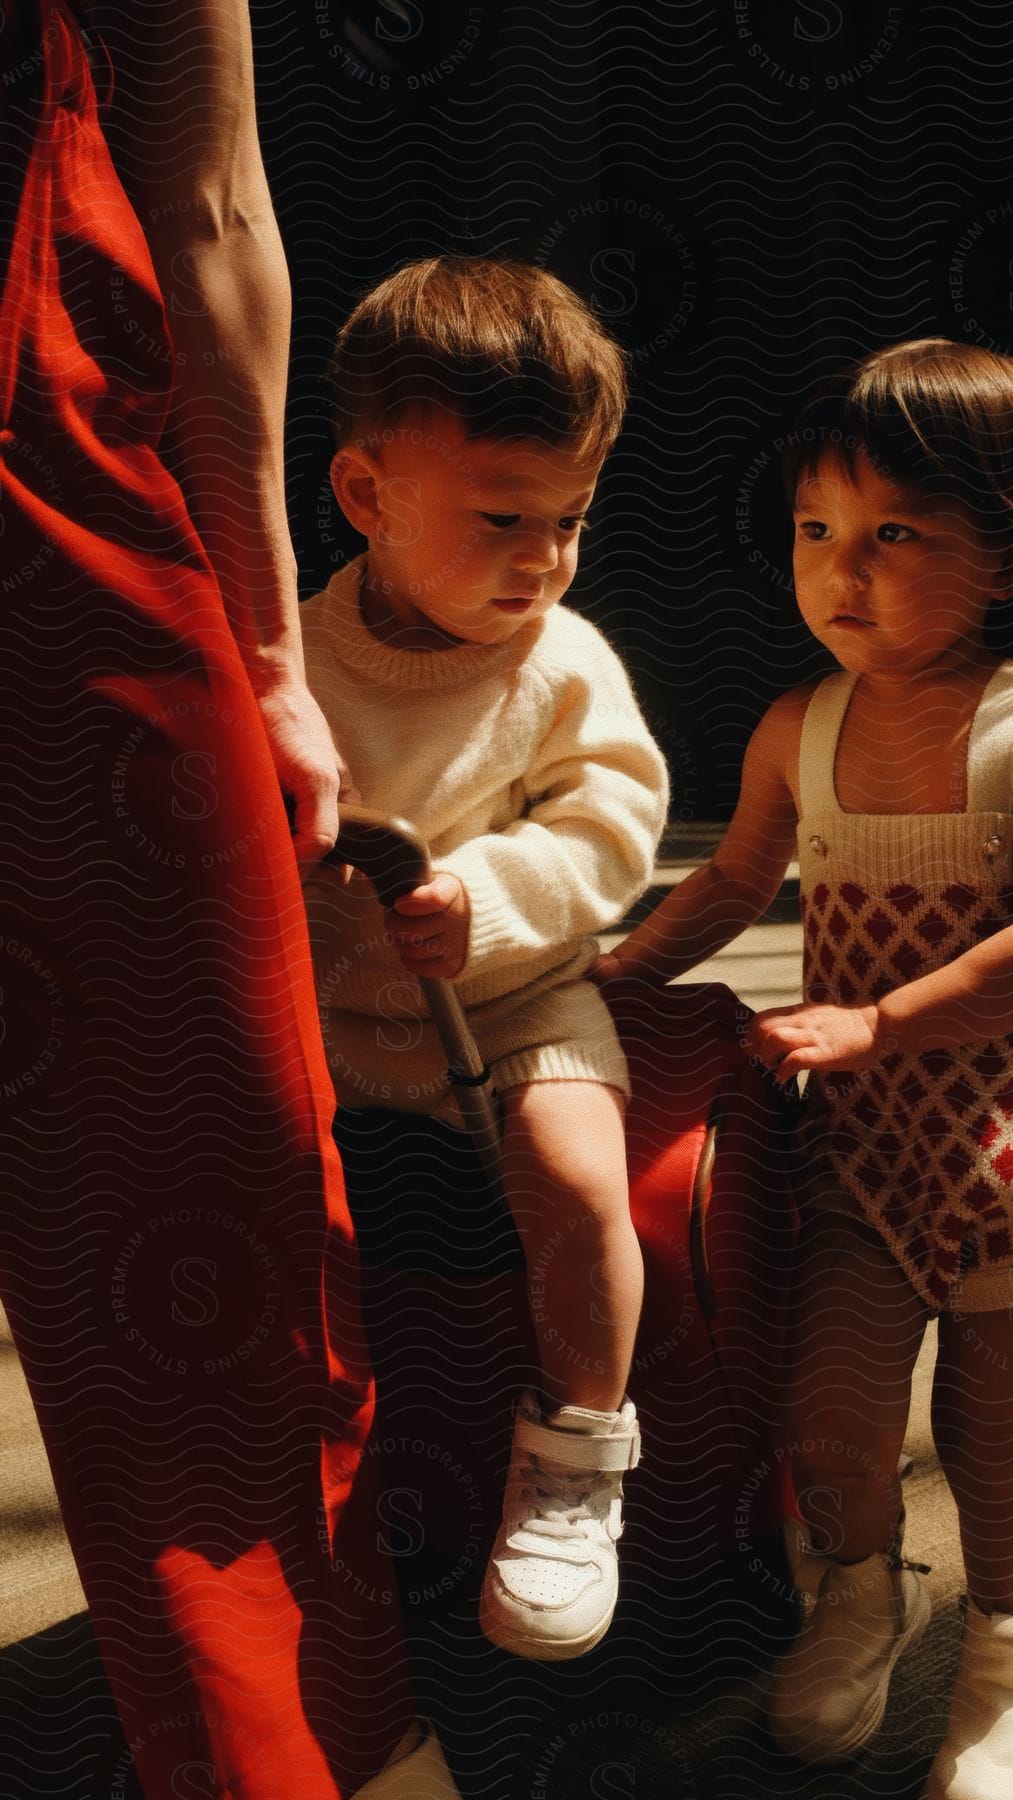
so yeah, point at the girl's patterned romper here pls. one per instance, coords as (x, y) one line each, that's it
(922, 1145)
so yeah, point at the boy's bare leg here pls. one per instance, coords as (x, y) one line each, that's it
(857, 1326)
(564, 1165)
(972, 1421)
(551, 1585)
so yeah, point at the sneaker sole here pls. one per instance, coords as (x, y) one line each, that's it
(544, 1649)
(866, 1727)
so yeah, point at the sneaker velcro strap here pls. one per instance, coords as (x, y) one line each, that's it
(579, 1449)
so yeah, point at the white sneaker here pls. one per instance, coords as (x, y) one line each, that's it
(417, 1770)
(975, 1761)
(828, 1693)
(551, 1586)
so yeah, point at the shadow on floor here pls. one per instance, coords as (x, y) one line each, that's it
(681, 1724)
(59, 1733)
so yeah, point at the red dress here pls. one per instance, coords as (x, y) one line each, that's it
(175, 1250)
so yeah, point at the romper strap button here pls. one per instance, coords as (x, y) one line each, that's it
(819, 848)
(991, 848)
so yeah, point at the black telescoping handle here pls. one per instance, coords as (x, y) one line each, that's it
(393, 856)
(389, 851)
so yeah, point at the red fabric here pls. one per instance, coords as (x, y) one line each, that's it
(709, 1365)
(176, 1254)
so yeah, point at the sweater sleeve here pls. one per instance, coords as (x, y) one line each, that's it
(584, 851)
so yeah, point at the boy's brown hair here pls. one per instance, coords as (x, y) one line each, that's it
(507, 348)
(930, 412)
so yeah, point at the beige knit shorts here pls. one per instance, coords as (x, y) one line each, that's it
(564, 1033)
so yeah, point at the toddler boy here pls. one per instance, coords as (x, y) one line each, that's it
(476, 402)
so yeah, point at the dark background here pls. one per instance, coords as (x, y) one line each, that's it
(749, 194)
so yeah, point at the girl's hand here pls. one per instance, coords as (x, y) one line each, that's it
(606, 967)
(791, 1038)
(627, 962)
(430, 927)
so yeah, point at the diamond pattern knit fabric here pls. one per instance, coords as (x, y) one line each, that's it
(922, 1143)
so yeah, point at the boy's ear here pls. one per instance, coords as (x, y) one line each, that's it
(355, 477)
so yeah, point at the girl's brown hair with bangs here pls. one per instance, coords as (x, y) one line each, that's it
(507, 348)
(932, 413)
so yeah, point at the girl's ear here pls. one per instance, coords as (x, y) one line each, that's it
(355, 478)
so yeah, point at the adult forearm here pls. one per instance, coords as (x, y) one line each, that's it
(228, 301)
(183, 131)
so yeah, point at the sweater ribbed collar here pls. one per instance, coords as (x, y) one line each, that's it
(385, 665)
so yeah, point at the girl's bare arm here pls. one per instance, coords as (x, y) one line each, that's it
(968, 1001)
(717, 902)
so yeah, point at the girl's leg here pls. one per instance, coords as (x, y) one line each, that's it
(972, 1422)
(564, 1166)
(857, 1329)
(972, 1419)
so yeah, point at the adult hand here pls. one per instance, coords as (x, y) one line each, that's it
(788, 1039)
(430, 927)
(310, 771)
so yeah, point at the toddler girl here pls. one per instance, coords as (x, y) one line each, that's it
(894, 776)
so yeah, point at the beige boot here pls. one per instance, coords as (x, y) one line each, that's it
(828, 1693)
(975, 1760)
(806, 1566)
(416, 1771)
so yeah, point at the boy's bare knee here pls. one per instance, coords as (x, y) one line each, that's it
(564, 1142)
(585, 1216)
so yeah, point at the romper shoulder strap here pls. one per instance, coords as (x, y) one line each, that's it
(990, 747)
(818, 748)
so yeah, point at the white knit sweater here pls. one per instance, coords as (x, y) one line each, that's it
(528, 768)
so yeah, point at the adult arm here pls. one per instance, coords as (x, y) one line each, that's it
(183, 132)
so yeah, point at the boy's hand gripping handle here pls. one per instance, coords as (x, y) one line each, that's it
(392, 855)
